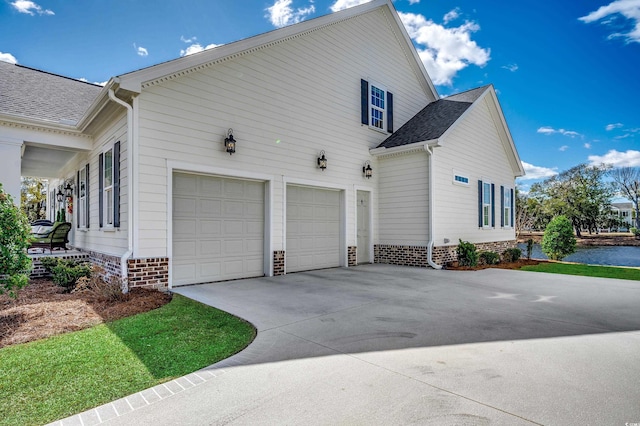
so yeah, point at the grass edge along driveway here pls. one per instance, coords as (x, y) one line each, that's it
(57, 377)
(580, 269)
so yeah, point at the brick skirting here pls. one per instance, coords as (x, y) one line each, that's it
(418, 255)
(278, 262)
(352, 258)
(38, 270)
(151, 272)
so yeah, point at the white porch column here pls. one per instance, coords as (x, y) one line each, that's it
(10, 166)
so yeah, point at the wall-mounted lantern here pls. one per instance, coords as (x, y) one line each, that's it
(68, 190)
(59, 195)
(230, 142)
(367, 170)
(322, 161)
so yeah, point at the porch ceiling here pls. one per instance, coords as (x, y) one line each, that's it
(45, 161)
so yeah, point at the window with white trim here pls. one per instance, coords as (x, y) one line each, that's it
(486, 204)
(377, 107)
(460, 179)
(107, 191)
(83, 197)
(506, 210)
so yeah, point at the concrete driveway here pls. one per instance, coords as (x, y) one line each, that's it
(379, 344)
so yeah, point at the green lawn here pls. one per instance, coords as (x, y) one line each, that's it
(57, 377)
(586, 270)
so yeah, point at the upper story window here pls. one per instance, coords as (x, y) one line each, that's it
(376, 106)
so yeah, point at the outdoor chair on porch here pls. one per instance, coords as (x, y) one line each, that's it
(57, 236)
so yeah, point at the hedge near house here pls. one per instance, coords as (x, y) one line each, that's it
(558, 240)
(15, 231)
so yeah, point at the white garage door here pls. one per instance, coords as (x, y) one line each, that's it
(313, 228)
(218, 229)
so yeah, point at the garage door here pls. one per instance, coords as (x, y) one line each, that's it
(218, 229)
(313, 228)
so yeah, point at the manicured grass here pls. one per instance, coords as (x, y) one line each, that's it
(585, 270)
(57, 377)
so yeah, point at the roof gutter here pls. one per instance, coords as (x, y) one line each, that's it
(412, 147)
(130, 148)
(430, 261)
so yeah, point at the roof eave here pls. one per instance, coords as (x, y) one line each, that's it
(416, 146)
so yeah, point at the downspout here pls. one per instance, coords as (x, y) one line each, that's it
(129, 252)
(431, 242)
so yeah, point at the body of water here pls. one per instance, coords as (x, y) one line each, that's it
(598, 255)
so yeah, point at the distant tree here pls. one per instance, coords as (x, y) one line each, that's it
(627, 183)
(580, 193)
(558, 240)
(33, 197)
(14, 240)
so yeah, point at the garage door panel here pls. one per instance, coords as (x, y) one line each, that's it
(313, 228)
(218, 229)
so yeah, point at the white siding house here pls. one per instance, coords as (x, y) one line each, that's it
(348, 88)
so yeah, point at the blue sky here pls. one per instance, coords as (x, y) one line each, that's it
(567, 73)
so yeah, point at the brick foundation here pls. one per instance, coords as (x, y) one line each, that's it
(278, 262)
(38, 270)
(110, 264)
(152, 272)
(352, 258)
(418, 255)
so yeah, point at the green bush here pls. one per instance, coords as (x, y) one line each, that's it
(558, 240)
(529, 248)
(511, 254)
(635, 231)
(15, 233)
(488, 258)
(48, 263)
(66, 272)
(467, 254)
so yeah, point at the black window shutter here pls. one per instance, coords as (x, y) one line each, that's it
(480, 223)
(389, 112)
(86, 197)
(78, 200)
(101, 189)
(501, 206)
(364, 102)
(512, 209)
(116, 184)
(493, 203)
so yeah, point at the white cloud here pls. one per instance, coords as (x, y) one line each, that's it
(445, 51)
(414, 1)
(8, 57)
(630, 9)
(546, 130)
(613, 126)
(188, 40)
(103, 83)
(536, 172)
(282, 14)
(141, 50)
(563, 148)
(345, 4)
(451, 15)
(511, 67)
(195, 48)
(629, 158)
(587, 145)
(30, 8)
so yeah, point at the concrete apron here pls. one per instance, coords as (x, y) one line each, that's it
(384, 344)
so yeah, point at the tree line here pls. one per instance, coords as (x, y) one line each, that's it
(583, 195)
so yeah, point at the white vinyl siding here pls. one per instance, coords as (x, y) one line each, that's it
(404, 199)
(264, 96)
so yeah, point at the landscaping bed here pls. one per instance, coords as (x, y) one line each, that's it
(604, 239)
(43, 309)
(502, 265)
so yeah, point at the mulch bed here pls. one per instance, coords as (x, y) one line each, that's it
(42, 309)
(502, 265)
(605, 239)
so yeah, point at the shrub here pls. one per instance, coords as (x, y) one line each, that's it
(511, 254)
(15, 232)
(48, 263)
(636, 232)
(488, 258)
(66, 273)
(101, 287)
(558, 240)
(467, 254)
(529, 248)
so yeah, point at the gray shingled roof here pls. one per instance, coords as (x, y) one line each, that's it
(434, 119)
(30, 93)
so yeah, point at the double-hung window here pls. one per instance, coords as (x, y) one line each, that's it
(506, 211)
(109, 187)
(377, 106)
(83, 198)
(486, 201)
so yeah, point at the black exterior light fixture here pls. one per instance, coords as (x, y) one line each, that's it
(367, 170)
(68, 190)
(322, 161)
(230, 142)
(60, 195)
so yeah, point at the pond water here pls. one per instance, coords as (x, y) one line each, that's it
(597, 255)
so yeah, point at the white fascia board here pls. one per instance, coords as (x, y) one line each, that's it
(133, 81)
(40, 125)
(376, 152)
(98, 104)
